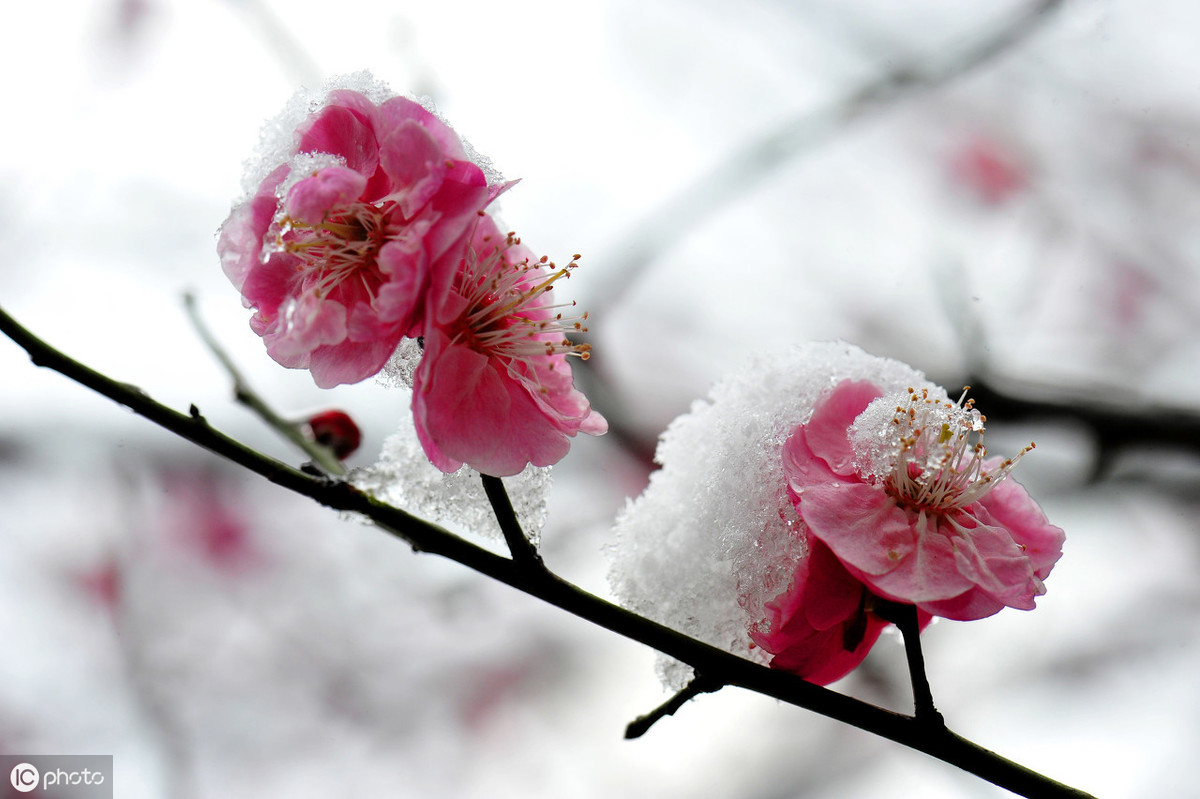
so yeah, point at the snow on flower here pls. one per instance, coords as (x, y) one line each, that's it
(405, 478)
(494, 389)
(718, 546)
(353, 233)
(899, 486)
(714, 548)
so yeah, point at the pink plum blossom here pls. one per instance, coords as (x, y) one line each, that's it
(494, 388)
(900, 489)
(343, 250)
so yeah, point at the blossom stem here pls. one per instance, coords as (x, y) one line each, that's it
(905, 617)
(521, 548)
(717, 664)
(322, 456)
(698, 685)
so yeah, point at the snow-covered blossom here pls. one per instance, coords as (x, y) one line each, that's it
(713, 547)
(347, 243)
(494, 388)
(728, 545)
(899, 486)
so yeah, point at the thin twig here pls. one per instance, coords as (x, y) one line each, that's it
(759, 159)
(716, 664)
(642, 724)
(322, 456)
(521, 548)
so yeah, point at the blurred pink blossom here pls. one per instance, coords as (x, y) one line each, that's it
(102, 583)
(905, 497)
(342, 252)
(992, 172)
(494, 389)
(205, 518)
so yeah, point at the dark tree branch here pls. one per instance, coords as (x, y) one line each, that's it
(716, 664)
(1116, 426)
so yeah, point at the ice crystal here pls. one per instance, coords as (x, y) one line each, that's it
(405, 478)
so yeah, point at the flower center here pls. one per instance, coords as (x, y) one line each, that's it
(507, 313)
(930, 454)
(343, 246)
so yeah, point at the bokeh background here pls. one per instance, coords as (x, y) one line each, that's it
(929, 180)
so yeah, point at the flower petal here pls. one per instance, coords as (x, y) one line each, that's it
(1009, 505)
(241, 240)
(832, 416)
(861, 524)
(415, 164)
(349, 361)
(312, 198)
(468, 410)
(801, 467)
(398, 111)
(345, 130)
(305, 325)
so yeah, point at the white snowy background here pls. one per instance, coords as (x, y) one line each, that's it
(221, 638)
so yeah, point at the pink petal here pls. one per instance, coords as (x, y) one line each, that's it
(241, 240)
(968, 606)
(801, 467)
(562, 404)
(306, 325)
(1009, 505)
(826, 431)
(468, 410)
(350, 361)
(864, 527)
(832, 594)
(269, 286)
(312, 198)
(929, 573)
(397, 111)
(809, 626)
(344, 131)
(415, 164)
(989, 558)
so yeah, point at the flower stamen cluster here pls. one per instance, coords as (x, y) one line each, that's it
(505, 315)
(940, 459)
(343, 246)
